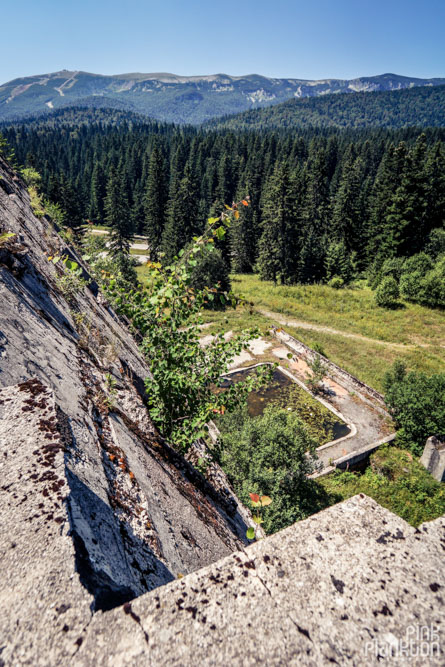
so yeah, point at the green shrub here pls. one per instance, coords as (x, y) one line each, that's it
(211, 271)
(31, 176)
(425, 285)
(417, 404)
(395, 480)
(336, 282)
(268, 455)
(387, 293)
(435, 246)
(411, 285)
(420, 263)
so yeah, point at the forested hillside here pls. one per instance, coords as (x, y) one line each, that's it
(324, 203)
(173, 98)
(420, 107)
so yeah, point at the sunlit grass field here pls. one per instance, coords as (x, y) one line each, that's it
(351, 310)
(419, 331)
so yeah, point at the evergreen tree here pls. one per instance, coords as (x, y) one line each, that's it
(155, 200)
(182, 223)
(279, 242)
(117, 214)
(348, 216)
(98, 192)
(338, 261)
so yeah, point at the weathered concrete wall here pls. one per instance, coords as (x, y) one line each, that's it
(433, 457)
(334, 371)
(139, 513)
(338, 588)
(343, 587)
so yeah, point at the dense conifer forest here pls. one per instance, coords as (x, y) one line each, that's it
(419, 107)
(325, 204)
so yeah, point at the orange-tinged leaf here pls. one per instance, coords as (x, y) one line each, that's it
(254, 497)
(265, 500)
(244, 202)
(131, 475)
(236, 215)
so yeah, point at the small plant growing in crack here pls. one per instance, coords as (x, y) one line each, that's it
(258, 503)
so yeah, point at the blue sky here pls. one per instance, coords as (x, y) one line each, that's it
(283, 38)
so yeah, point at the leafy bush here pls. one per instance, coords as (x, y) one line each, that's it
(318, 371)
(423, 282)
(336, 282)
(420, 263)
(390, 267)
(268, 455)
(417, 404)
(433, 286)
(210, 271)
(435, 246)
(387, 293)
(395, 480)
(31, 176)
(166, 313)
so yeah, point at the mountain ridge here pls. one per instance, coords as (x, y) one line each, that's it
(180, 99)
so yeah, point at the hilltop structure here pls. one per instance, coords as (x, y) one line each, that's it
(115, 551)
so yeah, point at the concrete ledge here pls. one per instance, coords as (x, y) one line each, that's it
(342, 587)
(354, 457)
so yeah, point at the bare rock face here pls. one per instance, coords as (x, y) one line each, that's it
(86, 480)
(433, 457)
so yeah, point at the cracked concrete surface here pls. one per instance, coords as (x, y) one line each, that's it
(330, 589)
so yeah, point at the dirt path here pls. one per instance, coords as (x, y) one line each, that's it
(284, 321)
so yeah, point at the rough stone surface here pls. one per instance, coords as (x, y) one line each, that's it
(43, 605)
(338, 588)
(433, 457)
(139, 513)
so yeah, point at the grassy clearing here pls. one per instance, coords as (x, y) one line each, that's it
(396, 480)
(421, 329)
(351, 310)
(368, 361)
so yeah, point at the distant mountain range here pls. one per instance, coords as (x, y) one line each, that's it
(178, 99)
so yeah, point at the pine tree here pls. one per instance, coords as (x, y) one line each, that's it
(97, 195)
(278, 246)
(117, 214)
(182, 223)
(389, 176)
(68, 199)
(155, 200)
(338, 261)
(348, 216)
(406, 218)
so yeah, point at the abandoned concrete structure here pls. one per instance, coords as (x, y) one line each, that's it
(116, 551)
